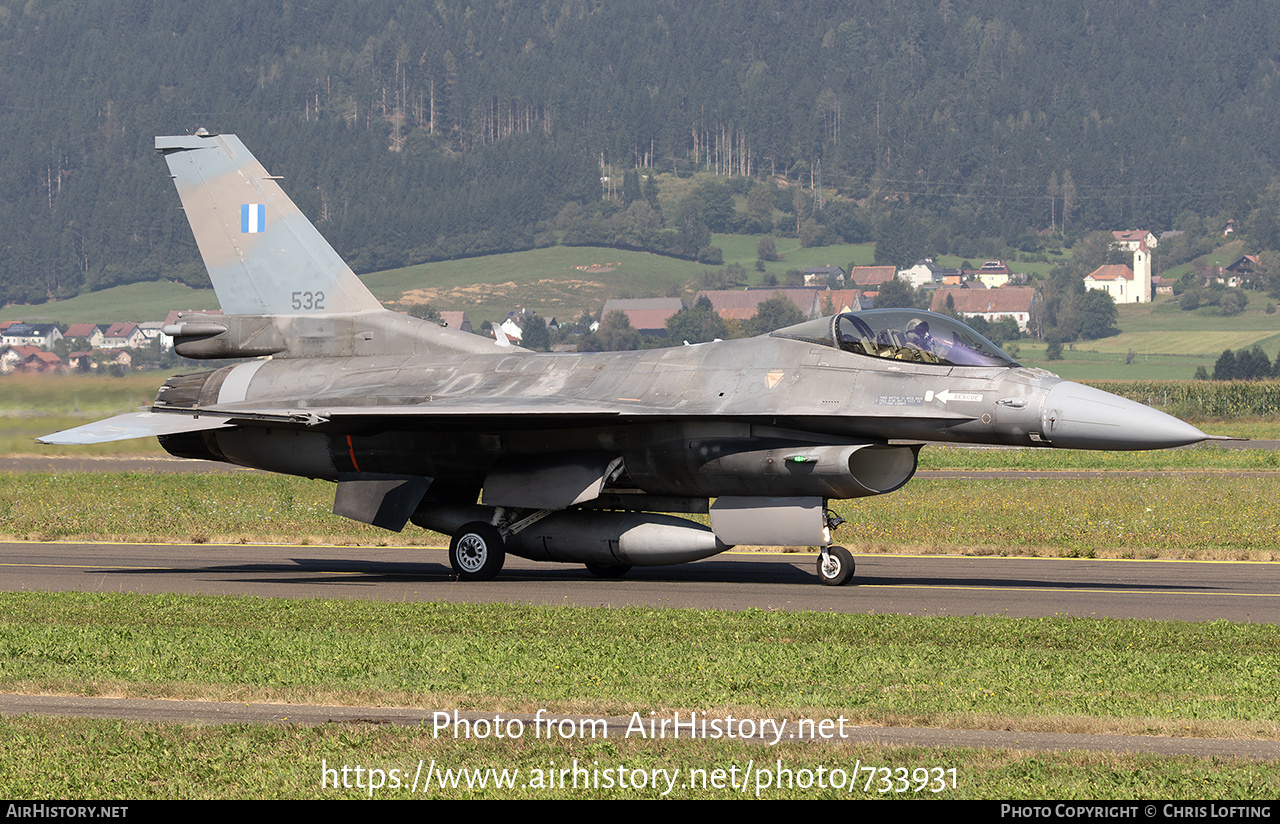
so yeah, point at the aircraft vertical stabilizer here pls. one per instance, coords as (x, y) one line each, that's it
(263, 255)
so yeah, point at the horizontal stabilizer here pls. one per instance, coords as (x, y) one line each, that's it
(144, 424)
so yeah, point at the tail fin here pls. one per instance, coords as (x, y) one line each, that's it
(263, 255)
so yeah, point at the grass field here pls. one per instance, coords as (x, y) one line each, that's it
(564, 281)
(54, 758)
(136, 302)
(35, 405)
(1167, 343)
(1214, 680)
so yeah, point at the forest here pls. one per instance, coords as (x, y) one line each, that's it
(413, 132)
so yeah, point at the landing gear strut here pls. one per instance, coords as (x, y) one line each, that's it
(835, 563)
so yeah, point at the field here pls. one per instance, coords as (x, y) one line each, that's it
(35, 405)
(564, 281)
(136, 302)
(1066, 675)
(1167, 343)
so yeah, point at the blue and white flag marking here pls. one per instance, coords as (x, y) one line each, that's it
(253, 218)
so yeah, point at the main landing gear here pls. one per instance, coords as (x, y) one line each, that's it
(476, 552)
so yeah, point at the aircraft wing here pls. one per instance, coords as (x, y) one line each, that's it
(318, 411)
(173, 420)
(157, 421)
(141, 424)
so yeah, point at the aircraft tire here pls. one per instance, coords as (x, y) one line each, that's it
(838, 570)
(608, 570)
(476, 552)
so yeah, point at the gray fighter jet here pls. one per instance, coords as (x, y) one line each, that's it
(575, 458)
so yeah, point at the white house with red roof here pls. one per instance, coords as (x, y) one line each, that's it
(122, 336)
(1131, 239)
(990, 304)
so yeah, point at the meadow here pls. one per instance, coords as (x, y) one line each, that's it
(1215, 680)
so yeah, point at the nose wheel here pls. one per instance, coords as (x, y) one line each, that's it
(835, 566)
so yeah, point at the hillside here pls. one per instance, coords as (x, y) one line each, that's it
(563, 282)
(423, 132)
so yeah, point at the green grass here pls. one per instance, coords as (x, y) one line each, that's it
(1055, 674)
(545, 281)
(56, 758)
(1168, 343)
(741, 249)
(542, 280)
(1221, 255)
(1162, 460)
(76, 395)
(612, 662)
(35, 405)
(1084, 362)
(18, 437)
(135, 302)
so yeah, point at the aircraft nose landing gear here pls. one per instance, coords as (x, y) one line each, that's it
(835, 563)
(835, 566)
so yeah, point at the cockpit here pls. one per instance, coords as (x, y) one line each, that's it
(910, 335)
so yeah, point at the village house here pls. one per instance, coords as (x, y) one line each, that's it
(822, 276)
(81, 362)
(835, 301)
(646, 315)
(121, 336)
(152, 331)
(742, 304)
(43, 335)
(993, 274)
(1238, 272)
(456, 320)
(29, 359)
(872, 275)
(990, 304)
(82, 330)
(1130, 239)
(923, 273)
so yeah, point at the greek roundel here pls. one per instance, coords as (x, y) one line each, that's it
(253, 218)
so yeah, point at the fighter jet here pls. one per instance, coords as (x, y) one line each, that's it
(574, 458)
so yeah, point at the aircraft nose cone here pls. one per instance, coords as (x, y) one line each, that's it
(1081, 417)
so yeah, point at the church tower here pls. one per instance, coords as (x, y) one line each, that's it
(1141, 274)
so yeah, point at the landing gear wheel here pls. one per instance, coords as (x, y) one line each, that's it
(476, 552)
(835, 569)
(608, 570)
